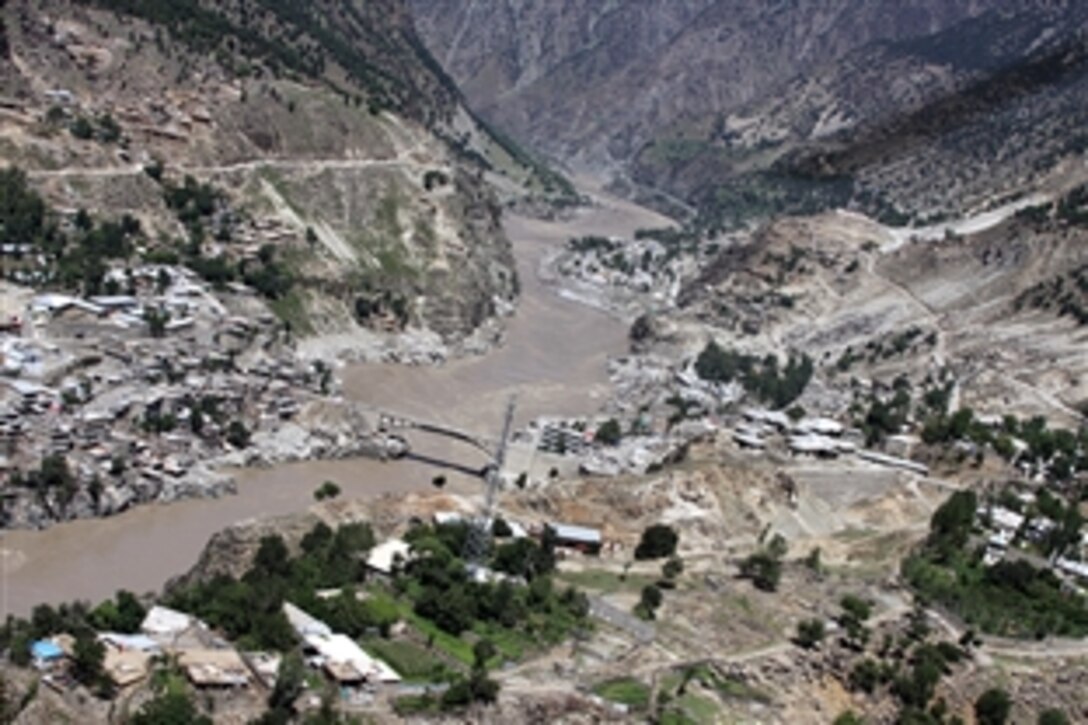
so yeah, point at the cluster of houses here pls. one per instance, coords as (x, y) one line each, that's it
(1012, 534)
(640, 266)
(84, 378)
(210, 663)
(760, 429)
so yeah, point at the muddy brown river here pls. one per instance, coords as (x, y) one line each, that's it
(553, 357)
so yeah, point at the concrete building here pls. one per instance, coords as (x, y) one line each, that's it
(582, 538)
(214, 668)
(384, 556)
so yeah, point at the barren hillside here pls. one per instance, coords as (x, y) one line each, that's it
(331, 148)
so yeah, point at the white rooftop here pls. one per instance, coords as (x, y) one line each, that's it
(163, 620)
(576, 533)
(1005, 518)
(341, 649)
(304, 624)
(383, 555)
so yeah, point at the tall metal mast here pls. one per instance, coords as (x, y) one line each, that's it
(479, 534)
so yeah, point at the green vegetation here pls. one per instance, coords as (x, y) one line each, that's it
(760, 377)
(250, 609)
(628, 691)
(992, 707)
(764, 567)
(743, 199)
(411, 661)
(810, 632)
(326, 490)
(1011, 598)
(609, 433)
(440, 589)
(281, 37)
(658, 541)
(649, 601)
(73, 260)
(1053, 716)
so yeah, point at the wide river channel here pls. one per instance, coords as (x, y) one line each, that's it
(554, 357)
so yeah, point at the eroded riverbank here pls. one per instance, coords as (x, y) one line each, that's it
(553, 357)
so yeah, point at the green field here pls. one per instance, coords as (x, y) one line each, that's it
(626, 691)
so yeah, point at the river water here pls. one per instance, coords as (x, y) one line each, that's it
(553, 358)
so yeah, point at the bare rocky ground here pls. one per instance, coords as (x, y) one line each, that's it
(290, 155)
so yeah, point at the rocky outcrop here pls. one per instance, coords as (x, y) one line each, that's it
(735, 108)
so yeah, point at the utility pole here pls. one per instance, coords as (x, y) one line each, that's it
(479, 533)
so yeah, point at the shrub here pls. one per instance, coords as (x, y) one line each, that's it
(328, 489)
(992, 707)
(810, 633)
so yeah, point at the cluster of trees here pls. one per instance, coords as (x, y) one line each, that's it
(104, 128)
(194, 203)
(760, 377)
(281, 37)
(1062, 451)
(910, 667)
(764, 566)
(1010, 598)
(1066, 293)
(53, 478)
(271, 277)
(76, 259)
(1073, 207)
(327, 490)
(886, 416)
(442, 589)
(592, 243)
(735, 202)
(250, 609)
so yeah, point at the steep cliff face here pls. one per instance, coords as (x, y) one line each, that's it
(324, 131)
(702, 100)
(595, 81)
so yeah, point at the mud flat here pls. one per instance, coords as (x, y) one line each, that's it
(553, 357)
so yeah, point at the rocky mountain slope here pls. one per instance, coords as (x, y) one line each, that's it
(326, 136)
(731, 107)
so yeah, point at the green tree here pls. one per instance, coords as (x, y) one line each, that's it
(1053, 716)
(649, 601)
(328, 489)
(810, 632)
(993, 707)
(87, 657)
(290, 682)
(237, 434)
(82, 129)
(763, 569)
(951, 523)
(609, 433)
(672, 569)
(657, 542)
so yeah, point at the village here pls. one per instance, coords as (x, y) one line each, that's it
(233, 679)
(113, 400)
